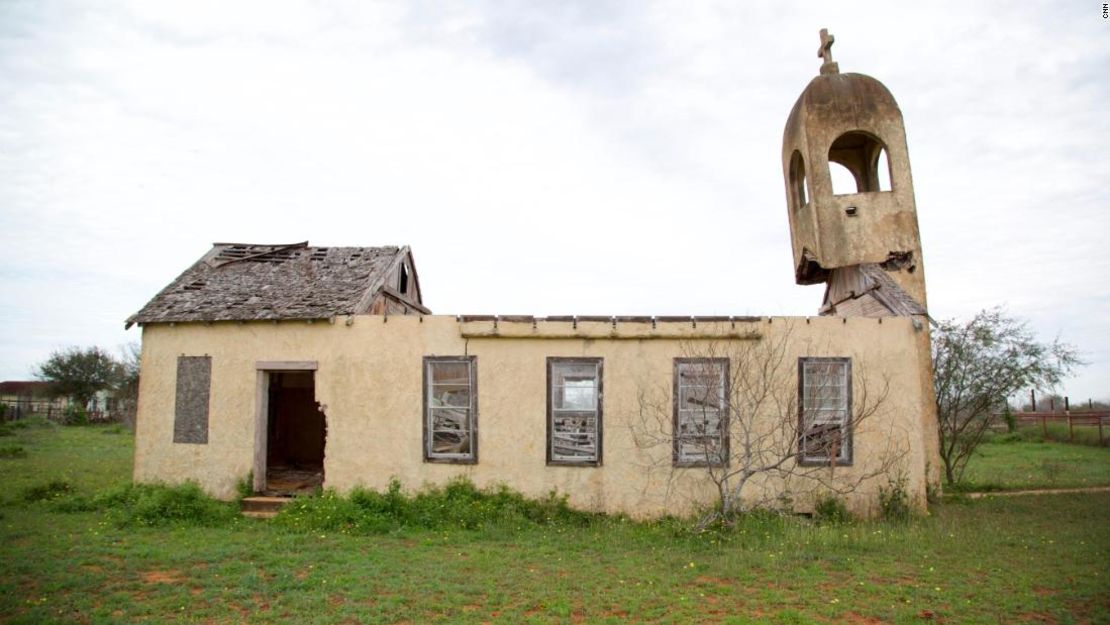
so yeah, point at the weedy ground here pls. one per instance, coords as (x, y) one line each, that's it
(1026, 459)
(78, 545)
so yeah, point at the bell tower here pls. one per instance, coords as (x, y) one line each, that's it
(856, 231)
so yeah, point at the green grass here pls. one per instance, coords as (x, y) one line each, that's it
(89, 458)
(1058, 432)
(1011, 560)
(1014, 462)
(12, 451)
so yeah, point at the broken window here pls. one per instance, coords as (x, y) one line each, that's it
(574, 411)
(825, 395)
(700, 411)
(190, 415)
(450, 409)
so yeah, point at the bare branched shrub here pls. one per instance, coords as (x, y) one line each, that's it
(733, 417)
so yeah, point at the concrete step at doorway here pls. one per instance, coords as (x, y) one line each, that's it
(262, 506)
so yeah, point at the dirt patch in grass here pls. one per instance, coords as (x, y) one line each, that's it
(243, 611)
(902, 580)
(705, 580)
(856, 618)
(1037, 617)
(162, 577)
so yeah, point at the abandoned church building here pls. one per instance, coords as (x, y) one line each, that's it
(309, 367)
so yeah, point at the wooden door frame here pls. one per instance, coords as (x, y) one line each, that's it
(263, 369)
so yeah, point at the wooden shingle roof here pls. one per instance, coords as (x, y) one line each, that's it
(883, 288)
(244, 281)
(869, 280)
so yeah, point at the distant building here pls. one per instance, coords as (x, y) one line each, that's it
(308, 366)
(24, 398)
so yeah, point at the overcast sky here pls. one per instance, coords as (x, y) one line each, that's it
(539, 157)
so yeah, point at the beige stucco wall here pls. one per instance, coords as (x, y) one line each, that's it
(369, 382)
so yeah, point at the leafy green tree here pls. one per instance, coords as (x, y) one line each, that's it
(80, 373)
(977, 365)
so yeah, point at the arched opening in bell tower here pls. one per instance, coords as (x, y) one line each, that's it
(799, 196)
(858, 163)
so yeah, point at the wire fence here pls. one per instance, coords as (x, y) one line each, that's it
(1095, 419)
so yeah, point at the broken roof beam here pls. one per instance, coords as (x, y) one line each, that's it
(272, 250)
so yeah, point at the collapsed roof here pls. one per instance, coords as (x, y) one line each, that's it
(246, 282)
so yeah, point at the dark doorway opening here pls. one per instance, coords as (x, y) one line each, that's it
(296, 432)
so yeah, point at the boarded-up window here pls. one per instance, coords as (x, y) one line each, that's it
(700, 411)
(450, 409)
(194, 381)
(574, 411)
(825, 398)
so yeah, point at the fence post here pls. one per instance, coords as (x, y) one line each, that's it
(1071, 432)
